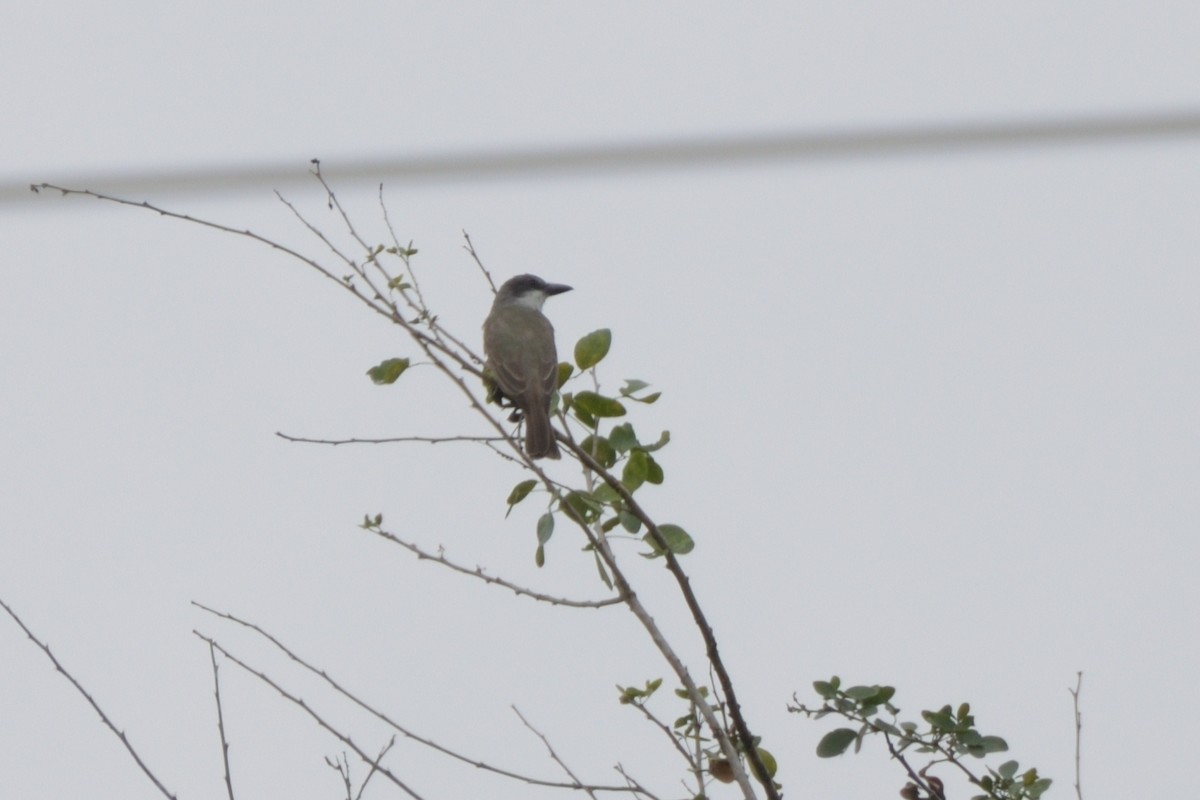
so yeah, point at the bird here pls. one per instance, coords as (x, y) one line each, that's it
(522, 363)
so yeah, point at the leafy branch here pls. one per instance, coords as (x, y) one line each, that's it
(947, 736)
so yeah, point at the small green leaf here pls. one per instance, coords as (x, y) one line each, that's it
(564, 373)
(598, 405)
(606, 494)
(678, 541)
(835, 742)
(622, 438)
(663, 438)
(825, 689)
(600, 449)
(629, 522)
(591, 349)
(545, 528)
(994, 744)
(768, 761)
(654, 472)
(539, 556)
(581, 507)
(388, 371)
(636, 468)
(631, 386)
(520, 492)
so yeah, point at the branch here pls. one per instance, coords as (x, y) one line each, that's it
(103, 717)
(392, 439)
(312, 713)
(706, 631)
(221, 722)
(383, 717)
(483, 576)
(1078, 730)
(550, 749)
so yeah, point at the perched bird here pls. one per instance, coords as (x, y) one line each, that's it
(521, 358)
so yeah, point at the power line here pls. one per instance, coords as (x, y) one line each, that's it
(649, 155)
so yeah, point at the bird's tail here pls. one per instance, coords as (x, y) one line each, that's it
(539, 435)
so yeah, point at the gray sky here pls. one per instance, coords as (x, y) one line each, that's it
(934, 418)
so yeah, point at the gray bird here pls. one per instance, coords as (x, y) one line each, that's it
(521, 358)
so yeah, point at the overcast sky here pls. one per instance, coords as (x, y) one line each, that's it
(934, 417)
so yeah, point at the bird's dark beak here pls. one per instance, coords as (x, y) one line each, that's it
(556, 288)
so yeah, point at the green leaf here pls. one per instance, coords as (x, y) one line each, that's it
(591, 349)
(825, 689)
(622, 438)
(861, 693)
(388, 371)
(598, 405)
(678, 541)
(601, 450)
(545, 528)
(768, 761)
(606, 494)
(539, 556)
(993, 744)
(835, 742)
(636, 469)
(661, 443)
(564, 373)
(629, 522)
(631, 386)
(581, 507)
(654, 473)
(519, 493)
(1008, 769)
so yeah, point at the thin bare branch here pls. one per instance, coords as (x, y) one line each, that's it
(212, 654)
(634, 784)
(392, 439)
(479, 574)
(662, 726)
(470, 248)
(344, 738)
(392, 723)
(1078, 731)
(91, 701)
(375, 767)
(550, 749)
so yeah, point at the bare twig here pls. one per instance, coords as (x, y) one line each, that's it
(479, 574)
(470, 248)
(662, 726)
(375, 767)
(341, 765)
(95, 706)
(553, 755)
(212, 653)
(392, 439)
(390, 722)
(634, 784)
(345, 739)
(1078, 731)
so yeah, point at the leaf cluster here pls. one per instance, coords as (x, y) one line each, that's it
(947, 735)
(615, 447)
